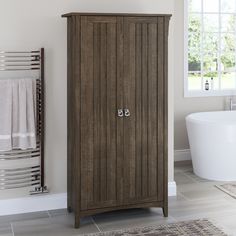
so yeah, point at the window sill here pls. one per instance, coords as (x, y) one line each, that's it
(197, 93)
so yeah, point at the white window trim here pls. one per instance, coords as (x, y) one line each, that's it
(197, 93)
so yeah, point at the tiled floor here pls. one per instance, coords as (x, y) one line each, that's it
(197, 198)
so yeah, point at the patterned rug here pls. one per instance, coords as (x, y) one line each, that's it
(228, 188)
(185, 228)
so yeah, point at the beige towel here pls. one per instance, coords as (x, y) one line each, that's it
(22, 114)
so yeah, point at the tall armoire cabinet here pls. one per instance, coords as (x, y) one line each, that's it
(117, 112)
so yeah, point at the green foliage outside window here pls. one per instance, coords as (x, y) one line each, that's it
(205, 45)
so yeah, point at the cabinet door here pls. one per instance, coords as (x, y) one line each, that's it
(101, 129)
(144, 97)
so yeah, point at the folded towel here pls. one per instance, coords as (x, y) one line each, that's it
(22, 115)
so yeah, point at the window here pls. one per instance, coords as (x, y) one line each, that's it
(210, 47)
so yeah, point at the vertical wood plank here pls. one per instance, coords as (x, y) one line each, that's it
(144, 110)
(103, 111)
(97, 111)
(138, 109)
(76, 75)
(165, 168)
(129, 103)
(86, 113)
(152, 110)
(160, 107)
(120, 105)
(73, 113)
(70, 108)
(111, 111)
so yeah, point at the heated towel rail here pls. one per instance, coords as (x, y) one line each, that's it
(28, 165)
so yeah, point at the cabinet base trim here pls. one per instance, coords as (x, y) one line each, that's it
(122, 207)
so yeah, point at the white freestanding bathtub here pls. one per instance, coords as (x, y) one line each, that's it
(212, 138)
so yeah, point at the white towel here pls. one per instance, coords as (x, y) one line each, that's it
(5, 115)
(22, 100)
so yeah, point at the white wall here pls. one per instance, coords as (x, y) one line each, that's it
(30, 24)
(184, 106)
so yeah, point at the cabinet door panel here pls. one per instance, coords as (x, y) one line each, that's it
(99, 123)
(143, 96)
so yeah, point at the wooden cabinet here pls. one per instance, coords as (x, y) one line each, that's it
(117, 112)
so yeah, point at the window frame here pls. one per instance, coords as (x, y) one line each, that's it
(198, 93)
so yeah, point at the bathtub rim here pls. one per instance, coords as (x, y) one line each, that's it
(191, 118)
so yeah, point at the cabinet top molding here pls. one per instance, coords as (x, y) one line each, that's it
(113, 14)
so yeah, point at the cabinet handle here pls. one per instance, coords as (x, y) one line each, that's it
(127, 112)
(120, 113)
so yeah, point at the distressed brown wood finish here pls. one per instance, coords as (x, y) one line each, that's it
(140, 95)
(98, 112)
(117, 61)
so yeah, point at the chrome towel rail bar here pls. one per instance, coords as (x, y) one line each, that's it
(33, 174)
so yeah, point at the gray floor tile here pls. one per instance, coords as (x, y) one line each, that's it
(22, 217)
(182, 166)
(61, 225)
(200, 208)
(203, 186)
(5, 225)
(175, 200)
(6, 230)
(181, 178)
(227, 221)
(197, 194)
(196, 178)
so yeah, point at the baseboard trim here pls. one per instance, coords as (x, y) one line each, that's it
(33, 204)
(172, 189)
(183, 155)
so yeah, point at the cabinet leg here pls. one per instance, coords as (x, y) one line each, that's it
(165, 211)
(77, 221)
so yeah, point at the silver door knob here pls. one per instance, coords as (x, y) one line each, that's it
(120, 113)
(127, 112)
